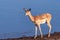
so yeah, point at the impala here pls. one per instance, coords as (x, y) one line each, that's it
(39, 19)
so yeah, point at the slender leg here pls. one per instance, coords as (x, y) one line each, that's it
(49, 25)
(35, 32)
(40, 32)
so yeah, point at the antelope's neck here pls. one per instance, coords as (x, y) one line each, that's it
(31, 17)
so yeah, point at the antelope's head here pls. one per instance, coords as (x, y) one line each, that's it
(27, 11)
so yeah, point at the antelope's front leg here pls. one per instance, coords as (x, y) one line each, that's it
(35, 32)
(40, 32)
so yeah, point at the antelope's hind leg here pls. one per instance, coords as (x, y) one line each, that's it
(50, 27)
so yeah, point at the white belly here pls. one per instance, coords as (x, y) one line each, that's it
(43, 21)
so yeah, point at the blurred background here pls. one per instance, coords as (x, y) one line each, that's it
(14, 23)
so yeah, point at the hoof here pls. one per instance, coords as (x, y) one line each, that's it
(41, 36)
(35, 37)
(48, 36)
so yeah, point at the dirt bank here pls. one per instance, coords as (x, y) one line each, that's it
(54, 36)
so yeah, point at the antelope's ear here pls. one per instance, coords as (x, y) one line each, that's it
(24, 9)
(30, 9)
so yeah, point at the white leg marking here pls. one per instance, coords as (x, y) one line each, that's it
(35, 32)
(40, 32)
(49, 25)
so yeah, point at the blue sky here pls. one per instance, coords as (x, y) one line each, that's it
(13, 19)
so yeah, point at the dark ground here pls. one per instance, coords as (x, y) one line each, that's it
(54, 36)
